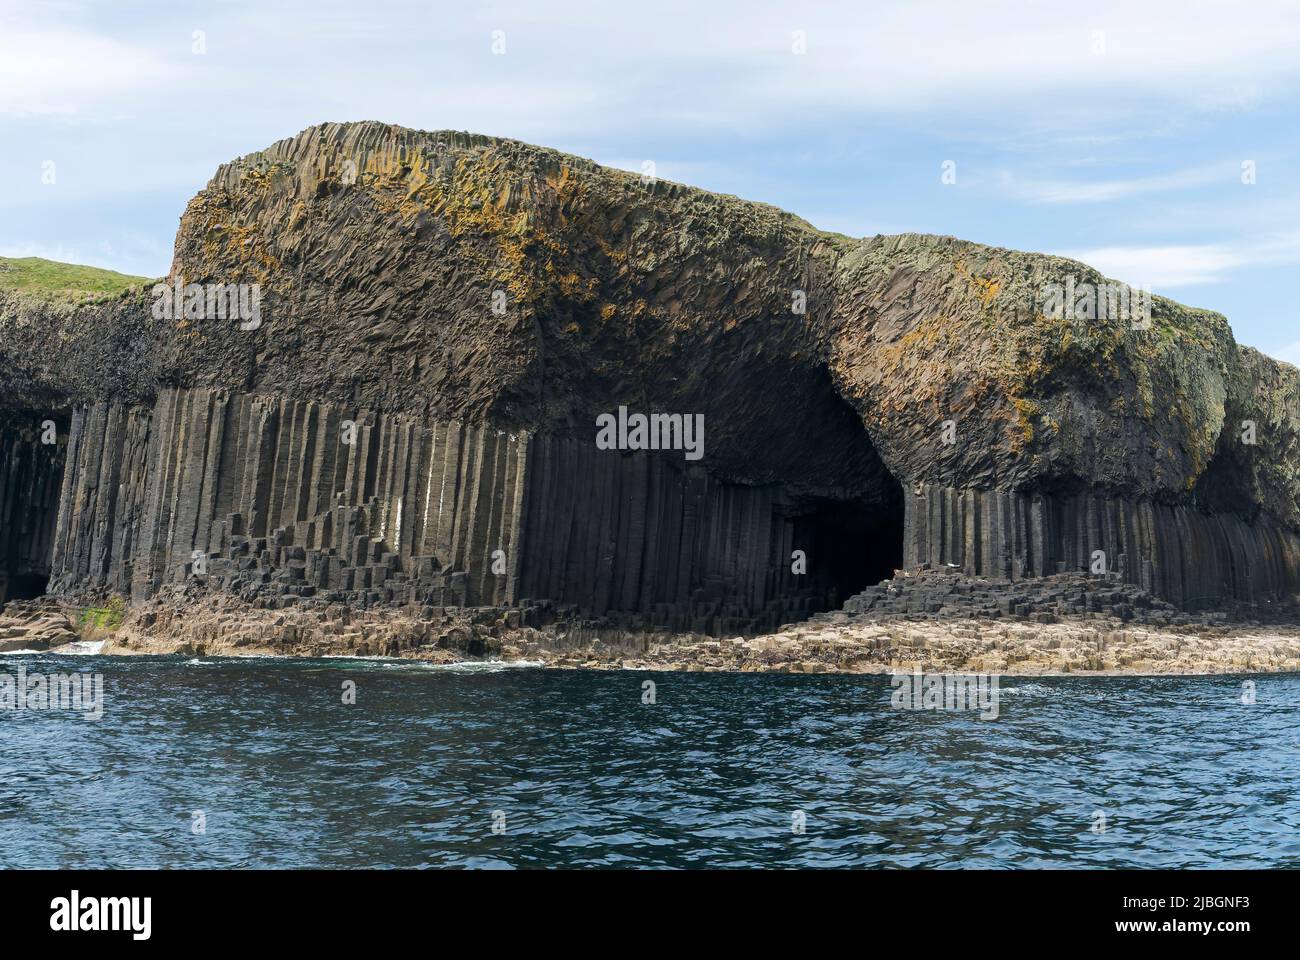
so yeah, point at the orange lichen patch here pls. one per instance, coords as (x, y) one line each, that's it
(986, 289)
(559, 180)
(240, 245)
(571, 284)
(481, 197)
(1026, 411)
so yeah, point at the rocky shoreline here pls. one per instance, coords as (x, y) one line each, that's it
(1070, 624)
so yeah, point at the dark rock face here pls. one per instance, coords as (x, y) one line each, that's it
(1171, 549)
(443, 317)
(30, 472)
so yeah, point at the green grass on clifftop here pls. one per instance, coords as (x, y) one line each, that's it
(50, 280)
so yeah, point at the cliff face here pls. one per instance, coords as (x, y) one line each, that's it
(1155, 439)
(382, 249)
(471, 305)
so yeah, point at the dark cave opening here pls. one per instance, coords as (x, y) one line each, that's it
(32, 448)
(21, 587)
(856, 543)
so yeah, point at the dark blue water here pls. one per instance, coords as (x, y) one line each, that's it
(585, 774)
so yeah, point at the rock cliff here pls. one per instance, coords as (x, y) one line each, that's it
(411, 415)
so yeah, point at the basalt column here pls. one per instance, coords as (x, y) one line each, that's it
(291, 497)
(1176, 551)
(31, 465)
(654, 537)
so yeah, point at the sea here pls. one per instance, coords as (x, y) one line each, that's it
(353, 763)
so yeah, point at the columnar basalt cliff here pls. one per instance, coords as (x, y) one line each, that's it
(412, 417)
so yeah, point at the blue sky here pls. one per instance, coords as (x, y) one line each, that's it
(1112, 132)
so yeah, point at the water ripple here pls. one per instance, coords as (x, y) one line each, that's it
(513, 766)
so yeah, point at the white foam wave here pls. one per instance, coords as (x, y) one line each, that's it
(82, 647)
(385, 663)
(463, 666)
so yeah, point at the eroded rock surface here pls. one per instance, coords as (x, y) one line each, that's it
(35, 625)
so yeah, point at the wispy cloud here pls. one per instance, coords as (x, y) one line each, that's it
(58, 252)
(66, 71)
(720, 66)
(1168, 267)
(1102, 191)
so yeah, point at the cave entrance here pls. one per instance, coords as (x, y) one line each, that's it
(856, 543)
(22, 587)
(31, 471)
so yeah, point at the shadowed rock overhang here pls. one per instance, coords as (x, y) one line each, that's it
(463, 308)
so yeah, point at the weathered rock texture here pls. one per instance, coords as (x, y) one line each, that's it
(471, 305)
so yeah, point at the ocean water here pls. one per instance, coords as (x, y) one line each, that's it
(519, 766)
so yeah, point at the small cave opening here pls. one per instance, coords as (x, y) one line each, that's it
(855, 543)
(849, 543)
(21, 587)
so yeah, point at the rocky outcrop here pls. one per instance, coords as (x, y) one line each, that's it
(1061, 624)
(410, 418)
(34, 625)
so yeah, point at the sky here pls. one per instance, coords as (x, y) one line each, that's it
(1157, 141)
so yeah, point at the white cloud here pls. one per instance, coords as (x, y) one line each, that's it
(953, 57)
(1186, 265)
(1163, 267)
(67, 71)
(1101, 191)
(576, 67)
(59, 253)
